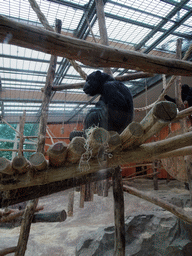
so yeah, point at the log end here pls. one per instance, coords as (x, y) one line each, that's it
(5, 166)
(165, 110)
(20, 164)
(38, 161)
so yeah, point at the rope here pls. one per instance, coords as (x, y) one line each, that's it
(173, 78)
(45, 23)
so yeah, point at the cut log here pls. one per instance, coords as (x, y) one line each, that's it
(38, 161)
(75, 149)
(50, 217)
(57, 154)
(20, 164)
(131, 135)
(157, 118)
(114, 141)
(97, 138)
(5, 166)
(86, 52)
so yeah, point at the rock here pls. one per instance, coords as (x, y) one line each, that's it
(157, 233)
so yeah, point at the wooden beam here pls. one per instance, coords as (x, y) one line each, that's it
(179, 212)
(91, 54)
(124, 78)
(145, 152)
(28, 193)
(8, 251)
(25, 227)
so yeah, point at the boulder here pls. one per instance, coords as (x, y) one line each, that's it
(156, 233)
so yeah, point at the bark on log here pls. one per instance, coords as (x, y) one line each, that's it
(119, 248)
(157, 118)
(5, 166)
(86, 52)
(177, 211)
(8, 251)
(50, 217)
(57, 154)
(38, 161)
(28, 193)
(75, 149)
(20, 164)
(25, 227)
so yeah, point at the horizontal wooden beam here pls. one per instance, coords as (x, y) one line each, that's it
(28, 193)
(91, 54)
(128, 77)
(145, 152)
(177, 211)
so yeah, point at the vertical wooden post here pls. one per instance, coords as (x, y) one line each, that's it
(100, 188)
(118, 213)
(155, 177)
(70, 204)
(104, 41)
(15, 142)
(178, 99)
(21, 131)
(188, 163)
(102, 27)
(30, 208)
(82, 196)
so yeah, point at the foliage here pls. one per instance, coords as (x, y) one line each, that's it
(7, 133)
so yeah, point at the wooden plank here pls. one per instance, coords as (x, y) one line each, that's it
(91, 54)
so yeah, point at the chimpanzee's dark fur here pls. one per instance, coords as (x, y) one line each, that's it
(186, 95)
(114, 110)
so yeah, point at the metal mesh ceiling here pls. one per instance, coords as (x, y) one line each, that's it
(149, 26)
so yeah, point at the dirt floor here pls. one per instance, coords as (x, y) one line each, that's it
(60, 239)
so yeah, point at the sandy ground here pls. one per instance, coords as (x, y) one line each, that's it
(60, 239)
